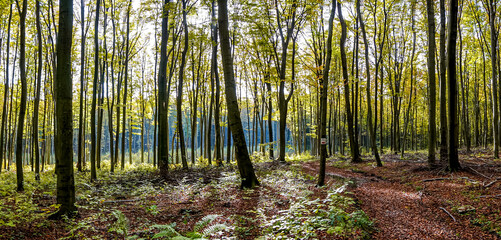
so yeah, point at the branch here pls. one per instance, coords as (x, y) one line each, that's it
(435, 179)
(450, 215)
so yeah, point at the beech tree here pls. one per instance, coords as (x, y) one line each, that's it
(247, 175)
(64, 115)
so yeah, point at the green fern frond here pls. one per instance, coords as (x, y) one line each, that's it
(213, 229)
(205, 221)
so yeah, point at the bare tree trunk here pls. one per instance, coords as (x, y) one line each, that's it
(443, 86)
(355, 154)
(452, 93)
(22, 106)
(64, 115)
(180, 129)
(372, 132)
(6, 94)
(323, 99)
(163, 141)
(432, 135)
(247, 175)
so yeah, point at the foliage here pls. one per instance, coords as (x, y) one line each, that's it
(121, 223)
(304, 217)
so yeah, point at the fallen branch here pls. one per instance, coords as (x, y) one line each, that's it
(119, 201)
(491, 183)
(435, 179)
(450, 215)
(475, 171)
(490, 196)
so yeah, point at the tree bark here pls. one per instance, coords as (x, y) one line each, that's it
(163, 141)
(452, 93)
(64, 115)
(37, 96)
(95, 89)
(323, 99)
(372, 132)
(247, 175)
(22, 104)
(432, 135)
(180, 89)
(355, 154)
(443, 87)
(6, 94)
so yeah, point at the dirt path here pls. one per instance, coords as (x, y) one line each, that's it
(404, 207)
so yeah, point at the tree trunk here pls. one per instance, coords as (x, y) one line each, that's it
(64, 115)
(355, 154)
(37, 97)
(180, 129)
(22, 106)
(432, 135)
(247, 175)
(163, 141)
(323, 99)
(372, 132)
(492, 9)
(6, 94)
(443, 87)
(452, 93)
(95, 89)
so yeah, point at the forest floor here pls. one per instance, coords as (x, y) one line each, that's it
(405, 199)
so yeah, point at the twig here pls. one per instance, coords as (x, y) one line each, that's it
(118, 201)
(450, 215)
(479, 173)
(435, 179)
(491, 183)
(490, 196)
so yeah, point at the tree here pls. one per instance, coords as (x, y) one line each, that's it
(443, 83)
(372, 131)
(323, 99)
(492, 9)
(432, 48)
(163, 140)
(37, 96)
(247, 175)
(355, 153)
(180, 129)
(24, 93)
(6, 92)
(452, 84)
(64, 115)
(93, 143)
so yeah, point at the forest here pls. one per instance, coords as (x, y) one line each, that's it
(250, 119)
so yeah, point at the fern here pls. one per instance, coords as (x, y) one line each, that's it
(213, 229)
(166, 231)
(205, 221)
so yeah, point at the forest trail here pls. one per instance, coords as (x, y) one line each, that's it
(403, 206)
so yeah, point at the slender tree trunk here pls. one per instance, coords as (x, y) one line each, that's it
(323, 99)
(64, 115)
(37, 97)
(22, 106)
(372, 132)
(247, 175)
(95, 89)
(492, 9)
(443, 87)
(81, 144)
(355, 154)
(432, 135)
(163, 141)
(126, 81)
(452, 93)
(180, 89)
(6, 94)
